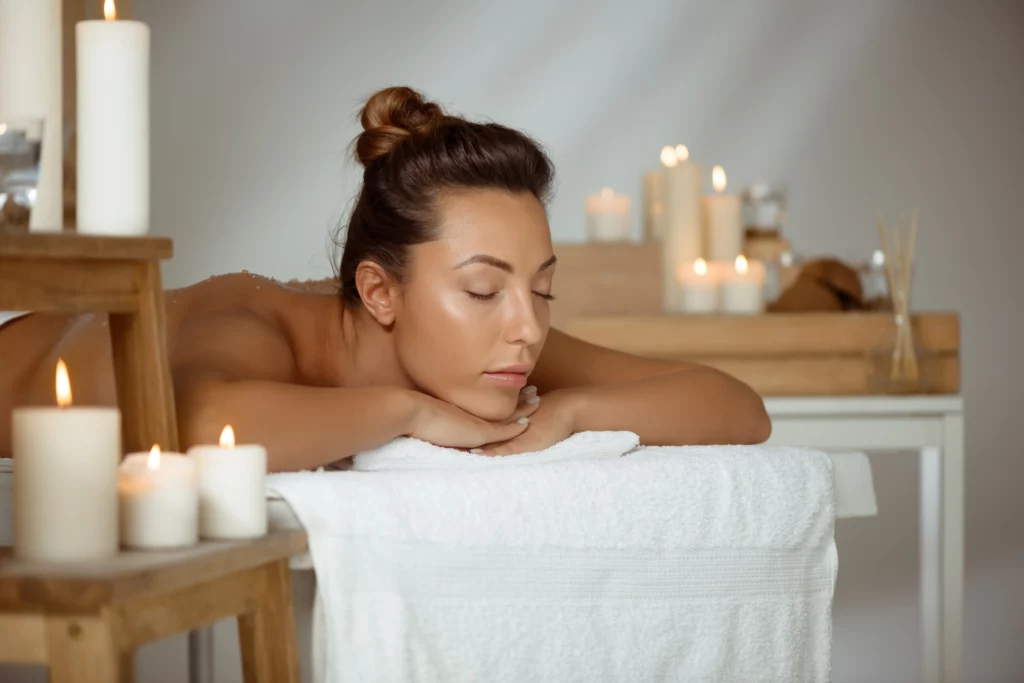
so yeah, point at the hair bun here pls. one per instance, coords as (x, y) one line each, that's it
(390, 117)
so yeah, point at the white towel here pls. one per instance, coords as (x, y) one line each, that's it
(405, 453)
(672, 564)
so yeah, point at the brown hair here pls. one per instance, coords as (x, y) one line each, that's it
(412, 152)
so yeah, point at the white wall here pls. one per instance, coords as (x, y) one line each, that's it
(857, 106)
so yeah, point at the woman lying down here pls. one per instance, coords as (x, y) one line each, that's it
(440, 332)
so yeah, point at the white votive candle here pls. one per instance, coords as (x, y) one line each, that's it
(65, 479)
(113, 125)
(232, 498)
(699, 289)
(723, 221)
(742, 287)
(159, 500)
(608, 216)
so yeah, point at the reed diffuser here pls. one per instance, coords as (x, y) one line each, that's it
(903, 371)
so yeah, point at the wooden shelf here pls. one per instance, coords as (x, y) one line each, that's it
(71, 245)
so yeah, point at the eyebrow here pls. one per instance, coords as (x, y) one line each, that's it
(501, 265)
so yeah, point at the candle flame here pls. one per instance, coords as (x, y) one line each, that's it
(109, 11)
(700, 267)
(227, 437)
(63, 384)
(153, 461)
(668, 157)
(741, 264)
(718, 178)
(682, 152)
(3, 128)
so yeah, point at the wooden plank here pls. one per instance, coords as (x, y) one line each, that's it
(83, 650)
(267, 634)
(30, 284)
(773, 334)
(23, 638)
(131, 574)
(71, 245)
(606, 279)
(825, 376)
(153, 617)
(142, 369)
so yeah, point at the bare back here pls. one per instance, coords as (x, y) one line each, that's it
(230, 326)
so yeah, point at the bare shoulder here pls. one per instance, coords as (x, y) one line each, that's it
(568, 362)
(230, 327)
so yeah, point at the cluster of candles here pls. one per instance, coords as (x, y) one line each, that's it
(76, 500)
(704, 269)
(112, 105)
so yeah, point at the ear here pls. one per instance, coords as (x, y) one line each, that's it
(378, 290)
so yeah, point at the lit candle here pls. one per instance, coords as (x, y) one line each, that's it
(159, 500)
(113, 125)
(654, 206)
(30, 87)
(723, 220)
(232, 502)
(65, 479)
(699, 288)
(681, 243)
(608, 216)
(742, 287)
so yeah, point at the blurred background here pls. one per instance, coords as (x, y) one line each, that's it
(855, 107)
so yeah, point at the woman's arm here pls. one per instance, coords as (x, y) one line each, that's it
(664, 402)
(240, 371)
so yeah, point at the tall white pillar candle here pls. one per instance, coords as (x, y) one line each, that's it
(654, 206)
(113, 127)
(65, 479)
(743, 286)
(30, 87)
(232, 497)
(723, 220)
(158, 495)
(608, 216)
(699, 288)
(681, 244)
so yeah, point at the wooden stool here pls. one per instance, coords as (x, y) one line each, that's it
(85, 620)
(66, 272)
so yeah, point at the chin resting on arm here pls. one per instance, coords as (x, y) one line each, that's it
(664, 402)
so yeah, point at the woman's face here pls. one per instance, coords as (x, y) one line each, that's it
(474, 312)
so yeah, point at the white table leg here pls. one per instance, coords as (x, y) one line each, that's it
(953, 549)
(942, 556)
(931, 565)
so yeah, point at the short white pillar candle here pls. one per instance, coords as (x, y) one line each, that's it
(159, 500)
(608, 216)
(742, 287)
(700, 291)
(65, 479)
(232, 496)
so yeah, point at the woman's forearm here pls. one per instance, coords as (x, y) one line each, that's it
(699, 405)
(302, 427)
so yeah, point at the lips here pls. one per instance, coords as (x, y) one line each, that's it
(520, 369)
(510, 375)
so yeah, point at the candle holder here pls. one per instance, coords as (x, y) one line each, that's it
(899, 364)
(21, 142)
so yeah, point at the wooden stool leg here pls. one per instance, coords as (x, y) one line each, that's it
(267, 636)
(144, 390)
(83, 650)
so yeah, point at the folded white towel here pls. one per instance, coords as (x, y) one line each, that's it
(406, 454)
(681, 564)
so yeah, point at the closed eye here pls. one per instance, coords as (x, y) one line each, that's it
(488, 297)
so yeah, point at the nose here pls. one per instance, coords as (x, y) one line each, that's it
(525, 326)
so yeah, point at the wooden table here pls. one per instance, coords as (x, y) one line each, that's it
(84, 620)
(67, 272)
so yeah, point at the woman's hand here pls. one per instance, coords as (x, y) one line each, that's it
(443, 424)
(553, 421)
